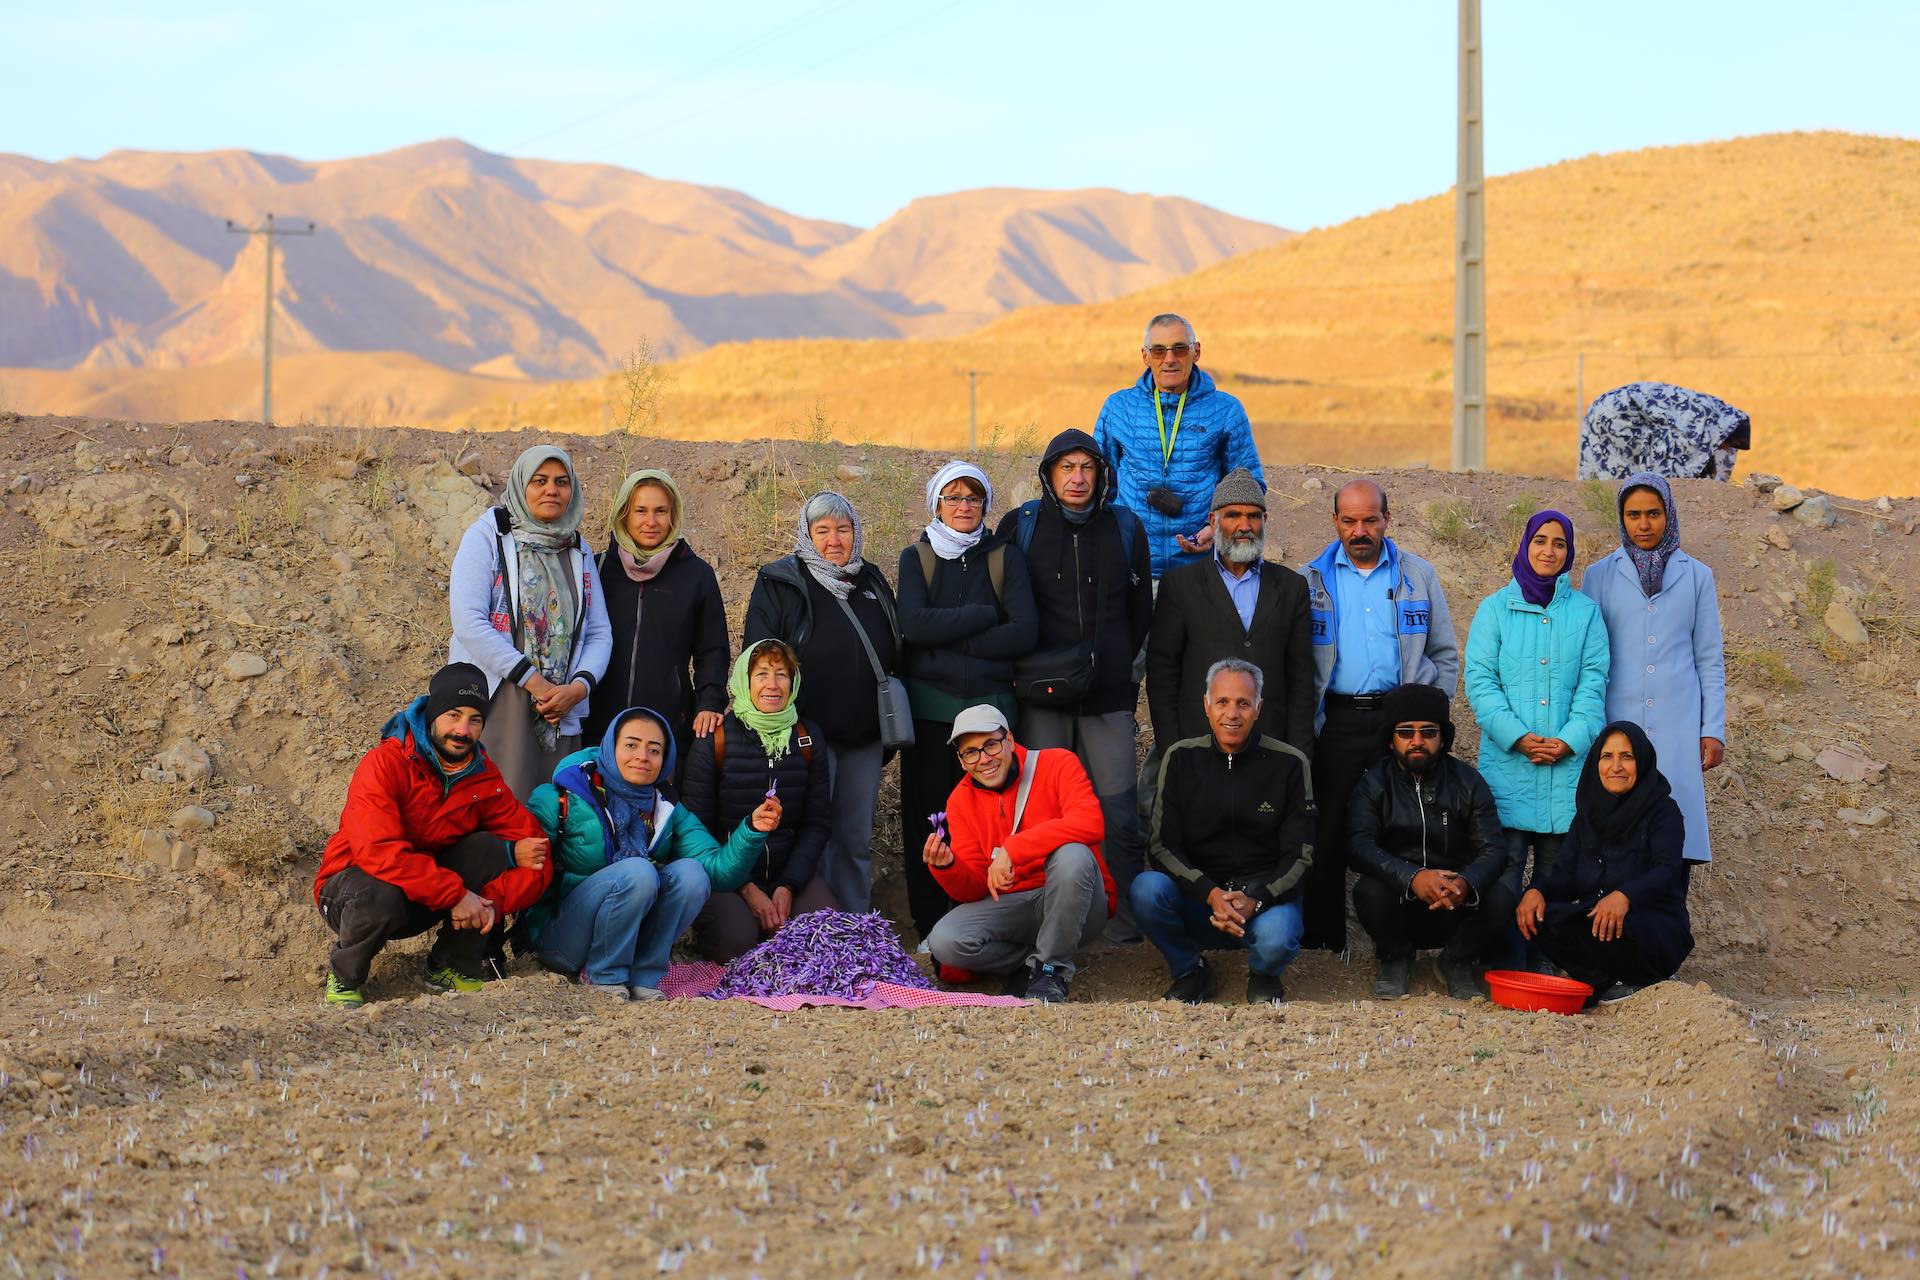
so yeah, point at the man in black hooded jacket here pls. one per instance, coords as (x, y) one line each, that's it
(1093, 585)
(1424, 833)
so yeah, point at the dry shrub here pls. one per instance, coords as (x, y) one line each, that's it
(1756, 665)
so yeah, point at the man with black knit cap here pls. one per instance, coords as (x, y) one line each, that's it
(429, 835)
(1425, 835)
(1093, 585)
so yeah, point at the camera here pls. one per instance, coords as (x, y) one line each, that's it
(1165, 501)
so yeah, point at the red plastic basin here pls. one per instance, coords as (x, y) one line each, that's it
(1536, 992)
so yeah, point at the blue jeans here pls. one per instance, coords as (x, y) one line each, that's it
(1179, 927)
(620, 923)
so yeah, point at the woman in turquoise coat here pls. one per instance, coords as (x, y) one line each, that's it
(1669, 671)
(1536, 674)
(633, 868)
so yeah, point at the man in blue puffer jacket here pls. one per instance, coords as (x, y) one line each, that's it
(1171, 437)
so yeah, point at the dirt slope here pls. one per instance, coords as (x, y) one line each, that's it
(163, 1038)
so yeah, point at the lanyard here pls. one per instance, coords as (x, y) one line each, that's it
(1166, 445)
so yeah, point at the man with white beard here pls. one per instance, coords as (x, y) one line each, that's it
(1233, 604)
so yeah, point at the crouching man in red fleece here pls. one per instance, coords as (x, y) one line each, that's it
(429, 835)
(1023, 864)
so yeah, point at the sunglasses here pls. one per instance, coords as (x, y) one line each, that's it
(1425, 732)
(1160, 351)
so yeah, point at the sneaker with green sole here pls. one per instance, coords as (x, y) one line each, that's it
(448, 978)
(341, 995)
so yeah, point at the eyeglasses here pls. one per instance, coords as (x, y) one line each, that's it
(962, 500)
(970, 756)
(1408, 732)
(1159, 351)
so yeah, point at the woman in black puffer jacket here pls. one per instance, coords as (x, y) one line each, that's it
(762, 751)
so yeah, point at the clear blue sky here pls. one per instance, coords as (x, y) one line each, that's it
(1298, 114)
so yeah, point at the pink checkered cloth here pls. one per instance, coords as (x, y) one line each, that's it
(685, 981)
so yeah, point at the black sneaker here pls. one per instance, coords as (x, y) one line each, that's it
(1396, 977)
(1458, 977)
(1263, 988)
(1196, 986)
(1018, 981)
(1048, 985)
(1617, 992)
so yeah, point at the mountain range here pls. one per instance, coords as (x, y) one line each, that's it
(512, 268)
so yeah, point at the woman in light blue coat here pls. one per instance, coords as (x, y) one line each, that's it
(1537, 661)
(1669, 671)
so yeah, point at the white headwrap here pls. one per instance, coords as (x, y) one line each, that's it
(948, 543)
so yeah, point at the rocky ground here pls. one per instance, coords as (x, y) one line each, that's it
(214, 619)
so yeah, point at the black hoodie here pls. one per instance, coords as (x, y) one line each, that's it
(1064, 555)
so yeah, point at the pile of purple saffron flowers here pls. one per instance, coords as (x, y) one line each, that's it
(824, 953)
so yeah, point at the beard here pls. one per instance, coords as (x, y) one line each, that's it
(1241, 549)
(1418, 760)
(452, 749)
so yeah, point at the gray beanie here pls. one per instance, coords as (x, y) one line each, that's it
(1239, 489)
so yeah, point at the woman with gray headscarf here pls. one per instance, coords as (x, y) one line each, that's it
(814, 600)
(527, 610)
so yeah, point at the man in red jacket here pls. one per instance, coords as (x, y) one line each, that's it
(429, 835)
(1022, 859)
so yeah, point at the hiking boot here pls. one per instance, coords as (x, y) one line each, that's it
(1458, 977)
(1047, 985)
(1016, 982)
(1195, 986)
(954, 976)
(342, 996)
(1395, 977)
(448, 978)
(1265, 988)
(640, 995)
(1617, 992)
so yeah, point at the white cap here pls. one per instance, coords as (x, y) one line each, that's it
(977, 719)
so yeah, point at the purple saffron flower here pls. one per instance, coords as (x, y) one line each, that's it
(828, 953)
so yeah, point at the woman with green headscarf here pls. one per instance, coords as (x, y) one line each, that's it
(663, 601)
(527, 610)
(762, 752)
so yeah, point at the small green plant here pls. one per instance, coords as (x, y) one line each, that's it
(819, 448)
(1597, 496)
(1750, 664)
(1482, 1052)
(1513, 521)
(1451, 521)
(1819, 587)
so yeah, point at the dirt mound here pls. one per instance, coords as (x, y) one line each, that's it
(216, 618)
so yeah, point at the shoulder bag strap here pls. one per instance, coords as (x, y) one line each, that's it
(1026, 786)
(879, 672)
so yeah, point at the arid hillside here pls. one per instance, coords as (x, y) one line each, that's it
(525, 268)
(214, 619)
(1777, 272)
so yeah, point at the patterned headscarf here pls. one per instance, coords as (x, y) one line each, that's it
(549, 602)
(774, 728)
(1650, 564)
(837, 578)
(1536, 589)
(630, 806)
(949, 543)
(642, 565)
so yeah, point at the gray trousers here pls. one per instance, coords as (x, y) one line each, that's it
(1104, 744)
(848, 863)
(509, 738)
(1045, 925)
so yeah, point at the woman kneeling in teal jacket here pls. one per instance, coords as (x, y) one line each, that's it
(633, 868)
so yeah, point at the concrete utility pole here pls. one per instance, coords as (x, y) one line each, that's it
(270, 231)
(1469, 264)
(973, 377)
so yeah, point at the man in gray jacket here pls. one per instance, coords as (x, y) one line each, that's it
(1378, 620)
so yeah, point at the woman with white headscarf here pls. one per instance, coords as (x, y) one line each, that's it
(966, 613)
(1669, 670)
(832, 606)
(527, 610)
